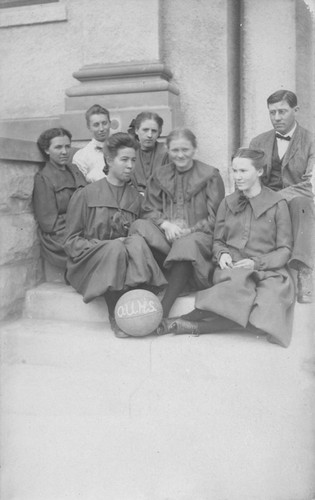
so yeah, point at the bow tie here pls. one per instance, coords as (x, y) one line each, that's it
(242, 202)
(284, 138)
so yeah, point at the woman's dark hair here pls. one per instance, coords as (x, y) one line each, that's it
(96, 109)
(257, 157)
(177, 133)
(116, 142)
(283, 95)
(45, 138)
(148, 115)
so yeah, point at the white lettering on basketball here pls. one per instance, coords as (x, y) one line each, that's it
(135, 308)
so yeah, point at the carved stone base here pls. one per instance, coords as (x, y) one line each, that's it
(125, 90)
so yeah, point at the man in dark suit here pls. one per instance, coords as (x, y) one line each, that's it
(290, 157)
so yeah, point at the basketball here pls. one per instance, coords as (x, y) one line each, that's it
(138, 313)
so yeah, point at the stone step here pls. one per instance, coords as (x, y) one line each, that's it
(61, 302)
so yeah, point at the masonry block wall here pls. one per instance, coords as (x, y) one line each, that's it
(20, 263)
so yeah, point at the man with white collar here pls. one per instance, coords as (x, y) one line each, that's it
(290, 156)
(90, 159)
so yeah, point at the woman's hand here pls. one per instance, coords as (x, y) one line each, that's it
(172, 231)
(245, 263)
(185, 231)
(225, 261)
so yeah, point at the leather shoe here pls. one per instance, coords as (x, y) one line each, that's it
(165, 326)
(180, 325)
(304, 285)
(120, 334)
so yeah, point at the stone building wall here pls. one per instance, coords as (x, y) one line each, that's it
(20, 264)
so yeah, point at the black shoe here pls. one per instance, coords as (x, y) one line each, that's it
(304, 285)
(165, 326)
(120, 334)
(180, 325)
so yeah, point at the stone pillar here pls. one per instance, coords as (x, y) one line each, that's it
(200, 43)
(268, 60)
(125, 89)
(20, 265)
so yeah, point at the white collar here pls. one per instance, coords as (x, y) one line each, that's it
(291, 132)
(97, 144)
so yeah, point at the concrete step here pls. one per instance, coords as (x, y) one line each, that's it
(57, 301)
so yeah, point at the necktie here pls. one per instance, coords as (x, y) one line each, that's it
(284, 138)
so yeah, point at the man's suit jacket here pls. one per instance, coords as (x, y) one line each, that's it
(297, 163)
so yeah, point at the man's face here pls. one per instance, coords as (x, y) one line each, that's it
(99, 126)
(282, 116)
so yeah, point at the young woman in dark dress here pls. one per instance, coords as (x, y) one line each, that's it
(103, 259)
(180, 206)
(53, 187)
(151, 153)
(253, 288)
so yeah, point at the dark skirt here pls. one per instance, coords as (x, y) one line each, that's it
(51, 244)
(195, 248)
(264, 299)
(114, 265)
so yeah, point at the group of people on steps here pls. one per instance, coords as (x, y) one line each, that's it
(128, 211)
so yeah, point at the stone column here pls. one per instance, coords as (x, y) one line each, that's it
(268, 60)
(125, 89)
(122, 71)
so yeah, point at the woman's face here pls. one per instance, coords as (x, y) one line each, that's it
(122, 166)
(59, 150)
(246, 176)
(181, 152)
(148, 133)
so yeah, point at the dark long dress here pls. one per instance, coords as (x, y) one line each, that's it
(190, 199)
(146, 163)
(99, 259)
(53, 188)
(265, 296)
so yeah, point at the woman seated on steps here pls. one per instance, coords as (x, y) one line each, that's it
(253, 288)
(53, 187)
(103, 259)
(179, 208)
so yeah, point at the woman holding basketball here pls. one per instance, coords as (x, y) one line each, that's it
(103, 259)
(253, 288)
(180, 206)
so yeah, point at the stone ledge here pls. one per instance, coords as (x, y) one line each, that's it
(122, 70)
(57, 301)
(14, 279)
(33, 14)
(122, 78)
(104, 88)
(20, 150)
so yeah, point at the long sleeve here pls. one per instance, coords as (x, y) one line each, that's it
(79, 160)
(45, 204)
(214, 193)
(75, 243)
(279, 257)
(219, 244)
(303, 188)
(152, 206)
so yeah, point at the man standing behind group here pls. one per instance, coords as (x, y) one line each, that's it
(90, 159)
(290, 156)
